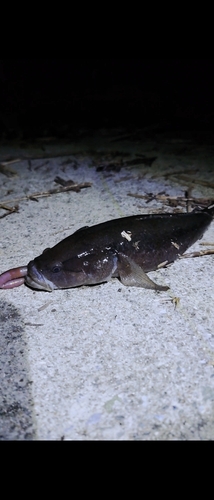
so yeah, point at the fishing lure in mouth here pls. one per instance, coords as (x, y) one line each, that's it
(125, 248)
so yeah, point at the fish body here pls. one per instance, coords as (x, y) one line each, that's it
(124, 248)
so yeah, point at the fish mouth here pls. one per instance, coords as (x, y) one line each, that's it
(35, 279)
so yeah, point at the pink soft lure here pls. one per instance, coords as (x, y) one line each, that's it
(13, 277)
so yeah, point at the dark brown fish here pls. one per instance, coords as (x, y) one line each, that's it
(124, 248)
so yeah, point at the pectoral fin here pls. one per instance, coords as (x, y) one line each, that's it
(131, 274)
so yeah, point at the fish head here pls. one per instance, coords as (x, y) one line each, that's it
(49, 273)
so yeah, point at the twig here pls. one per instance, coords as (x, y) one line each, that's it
(174, 173)
(196, 181)
(11, 210)
(188, 194)
(42, 194)
(206, 244)
(165, 198)
(197, 254)
(5, 170)
(9, 162)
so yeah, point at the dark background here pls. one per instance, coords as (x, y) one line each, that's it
(41, 97)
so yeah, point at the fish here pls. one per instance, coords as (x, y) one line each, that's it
(126, 248)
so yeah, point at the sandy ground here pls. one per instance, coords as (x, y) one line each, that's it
(105, 362)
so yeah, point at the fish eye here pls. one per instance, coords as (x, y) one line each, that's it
(56, 269)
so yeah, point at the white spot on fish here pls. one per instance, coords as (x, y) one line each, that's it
(127, 235)
(162, 264)
(83, 254)
(135, 245)
(175, 245)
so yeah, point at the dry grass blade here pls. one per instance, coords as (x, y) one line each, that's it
(10, 210)
(170, 199)
(62, 189)
(201, 253)
(191, 180)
